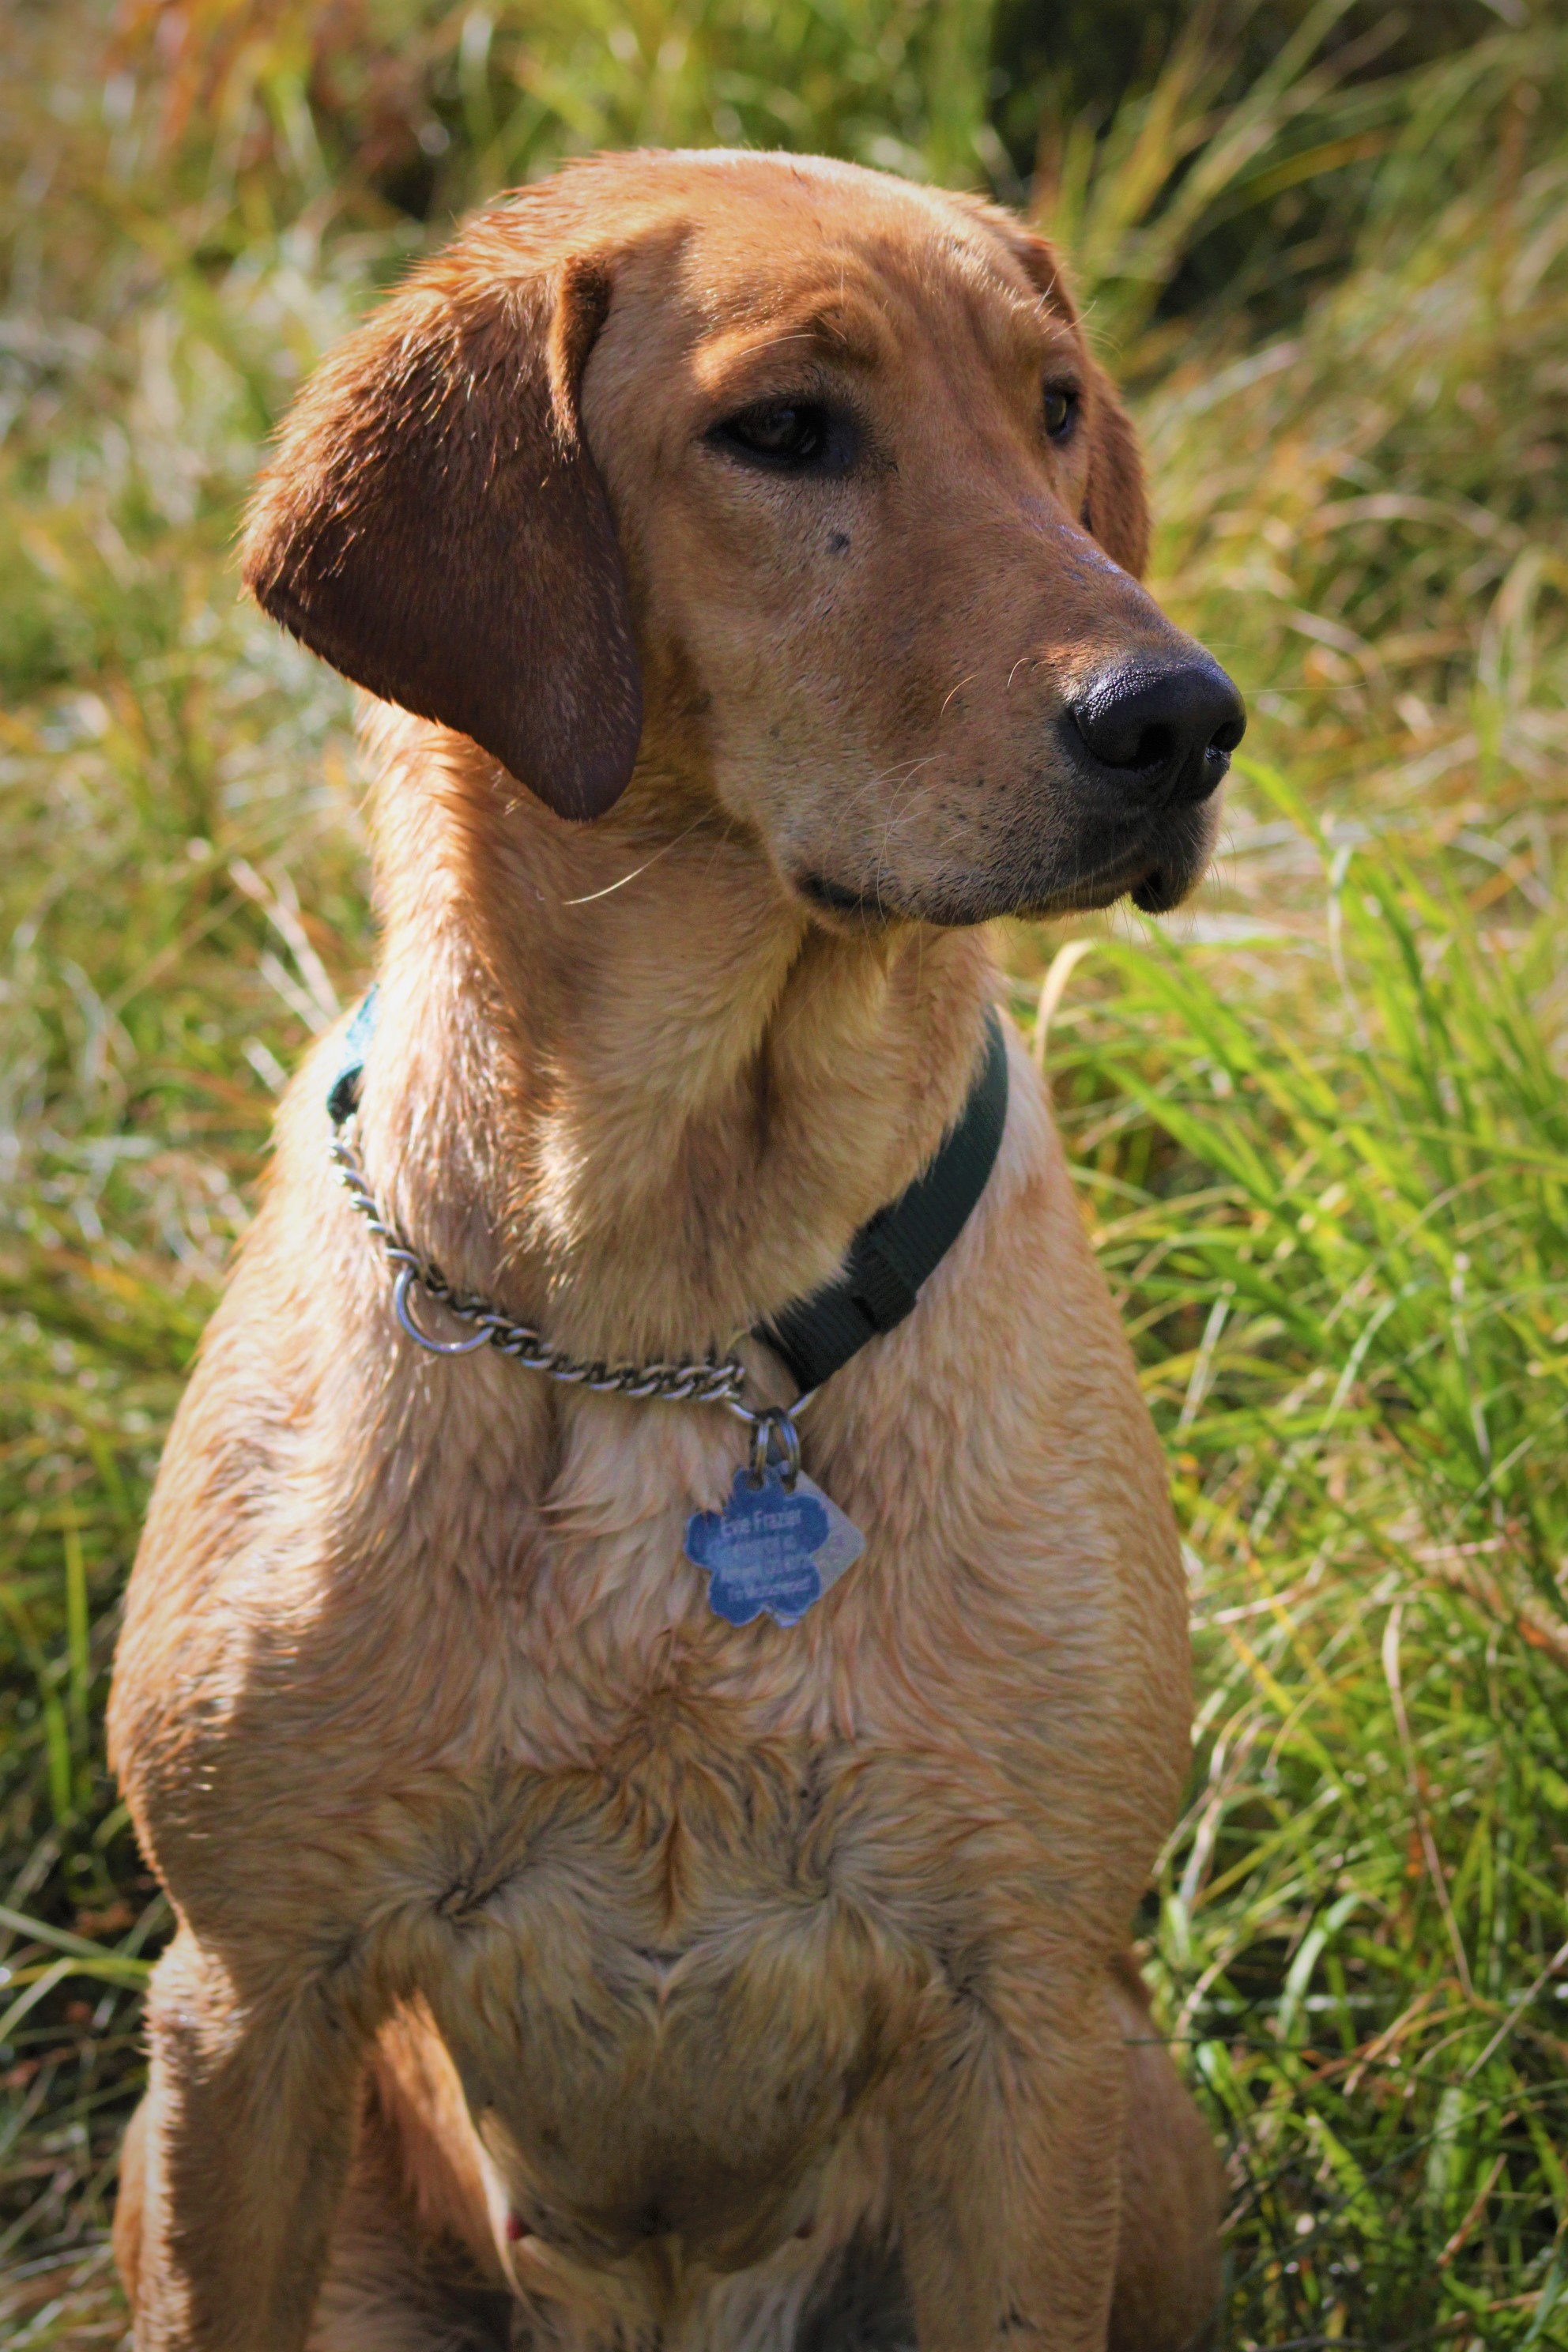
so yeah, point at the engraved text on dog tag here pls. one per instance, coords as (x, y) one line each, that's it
(773, 1548)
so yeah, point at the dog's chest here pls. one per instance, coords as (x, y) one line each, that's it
(708, 1882)
(555, 1614)
(695, 1886)
(569, 1609)
(667, 1986)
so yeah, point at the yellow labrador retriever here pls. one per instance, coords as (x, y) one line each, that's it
(579, 1945)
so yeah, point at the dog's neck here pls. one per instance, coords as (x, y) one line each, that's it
(621, 1081)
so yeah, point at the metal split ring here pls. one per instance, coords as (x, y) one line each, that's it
(775, 1427)
(406, 1276)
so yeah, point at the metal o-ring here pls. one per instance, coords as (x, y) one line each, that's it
(406, 1276)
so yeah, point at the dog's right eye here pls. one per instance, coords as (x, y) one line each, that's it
(789, 434)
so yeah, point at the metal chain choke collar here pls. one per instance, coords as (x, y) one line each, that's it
(717, 1379)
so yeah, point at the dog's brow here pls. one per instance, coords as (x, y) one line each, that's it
(842, 334)
(1029, 324)
(840, 331)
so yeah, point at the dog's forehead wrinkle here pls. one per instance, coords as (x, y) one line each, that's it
(865, 258)
(760, 359)
(829, 290)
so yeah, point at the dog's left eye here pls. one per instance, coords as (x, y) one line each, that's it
(785, 433)
(1060, 412)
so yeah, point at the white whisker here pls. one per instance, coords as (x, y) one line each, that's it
(610, 887)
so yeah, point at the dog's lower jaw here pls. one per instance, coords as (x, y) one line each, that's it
(1162, 863)
(824, 895)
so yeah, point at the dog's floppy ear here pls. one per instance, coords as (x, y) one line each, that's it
(433, 524)
(1116, 509)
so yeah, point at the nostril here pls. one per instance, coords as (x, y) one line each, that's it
(1154, 748)
(1173, 726)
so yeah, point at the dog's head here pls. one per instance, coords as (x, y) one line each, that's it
(777, 480)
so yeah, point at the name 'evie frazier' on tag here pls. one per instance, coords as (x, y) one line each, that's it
(771, 1546)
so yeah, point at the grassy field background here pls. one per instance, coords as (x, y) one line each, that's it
(1320, 1121)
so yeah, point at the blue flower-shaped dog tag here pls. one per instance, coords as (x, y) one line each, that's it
(771, 1546)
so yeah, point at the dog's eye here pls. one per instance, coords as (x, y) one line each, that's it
(1061, 412)
(785, 433)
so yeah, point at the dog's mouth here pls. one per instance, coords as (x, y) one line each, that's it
(1160, 867)
(830, 897)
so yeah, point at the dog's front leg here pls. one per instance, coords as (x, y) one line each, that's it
(245, 2140)
(1007, 2136)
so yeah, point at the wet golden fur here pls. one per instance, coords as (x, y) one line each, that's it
(547, 1946)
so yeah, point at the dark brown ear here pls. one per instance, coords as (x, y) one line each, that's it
(1117, 508)
(433, 524)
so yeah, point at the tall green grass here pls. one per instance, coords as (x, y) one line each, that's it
(1337, 1234)
(1321, 1125)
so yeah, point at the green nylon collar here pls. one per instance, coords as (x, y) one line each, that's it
(888, 1260)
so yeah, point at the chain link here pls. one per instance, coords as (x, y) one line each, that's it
(716, 1380)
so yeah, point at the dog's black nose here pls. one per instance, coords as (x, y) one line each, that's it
(1168, 731)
